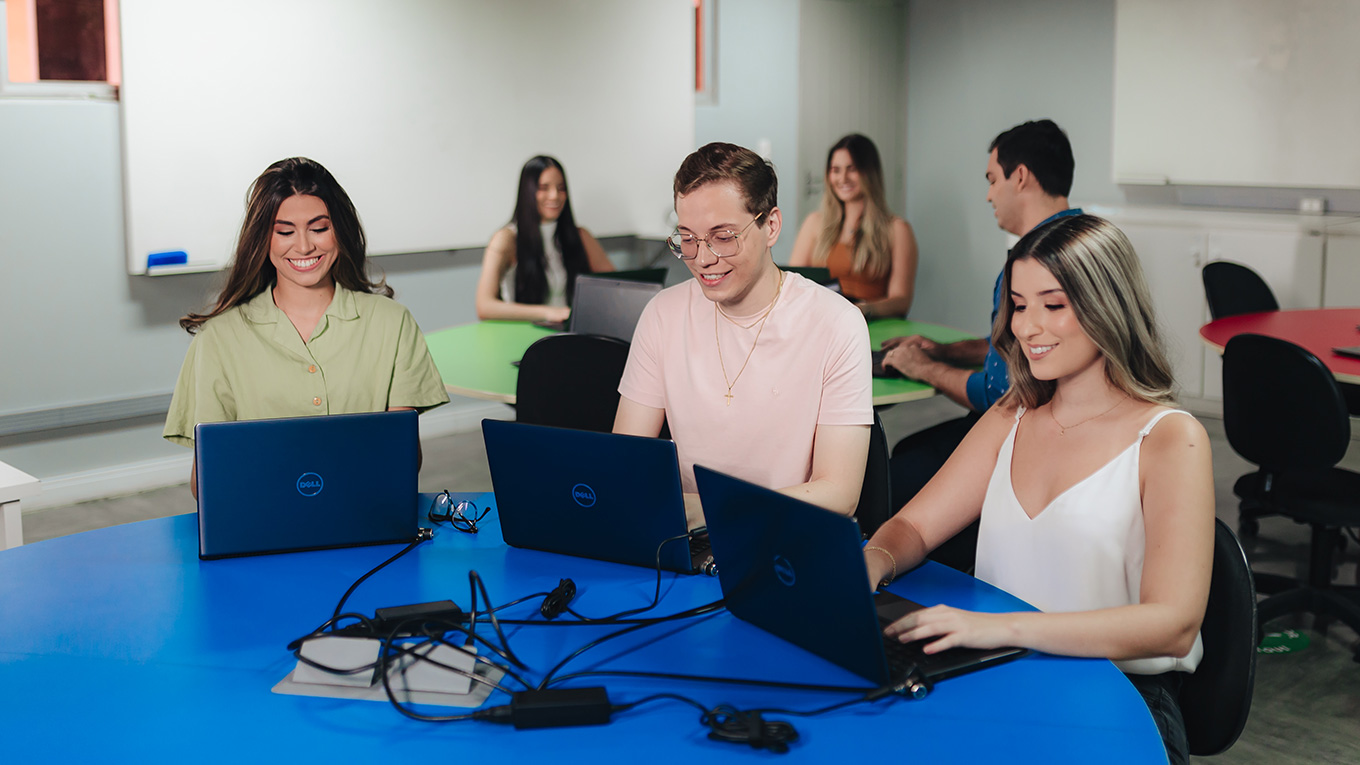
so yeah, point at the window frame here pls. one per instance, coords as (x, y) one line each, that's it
(73, 90)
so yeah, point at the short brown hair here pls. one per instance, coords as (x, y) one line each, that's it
(717, 162)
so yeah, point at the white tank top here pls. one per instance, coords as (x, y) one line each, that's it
(1082, 552)
(554, 268)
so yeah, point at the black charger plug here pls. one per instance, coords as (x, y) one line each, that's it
(558, 600)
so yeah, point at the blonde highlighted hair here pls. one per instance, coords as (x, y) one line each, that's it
(1098, 270)
(872, 257)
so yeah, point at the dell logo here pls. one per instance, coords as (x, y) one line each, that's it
(583, 495)
(783, 569)
(309, 484)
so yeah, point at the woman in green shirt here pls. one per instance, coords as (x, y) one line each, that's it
(300, 329)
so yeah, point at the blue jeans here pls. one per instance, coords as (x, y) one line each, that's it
(1160, 693)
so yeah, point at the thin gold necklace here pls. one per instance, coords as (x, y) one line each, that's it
(1062, 429)
(763, 314)
(718, 341)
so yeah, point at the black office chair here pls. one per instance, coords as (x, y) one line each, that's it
(875, 496)
(1232, 288)
(1215, 699)
(571, 381)
(1283, 411)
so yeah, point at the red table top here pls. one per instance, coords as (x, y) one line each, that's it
(1319, 330)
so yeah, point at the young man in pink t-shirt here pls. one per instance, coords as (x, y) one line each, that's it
(759, 373)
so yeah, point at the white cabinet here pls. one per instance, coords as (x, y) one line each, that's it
(1172, 257)
(1174, 244)
(1341, 280)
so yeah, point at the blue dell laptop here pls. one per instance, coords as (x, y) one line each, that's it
(792, 569)
(594, 495)
(306, 483)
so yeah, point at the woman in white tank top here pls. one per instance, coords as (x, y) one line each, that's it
(530, 267)
(1095, 497)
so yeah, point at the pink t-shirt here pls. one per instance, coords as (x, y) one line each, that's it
(811, 367)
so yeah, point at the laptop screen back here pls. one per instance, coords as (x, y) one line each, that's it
(609, 307)
(594, 495)
(306, 483)
(794, 570)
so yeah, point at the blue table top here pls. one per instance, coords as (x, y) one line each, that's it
(120, 644)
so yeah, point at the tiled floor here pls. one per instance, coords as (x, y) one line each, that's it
(1306, 707)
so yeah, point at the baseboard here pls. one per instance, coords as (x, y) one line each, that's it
(135, 477)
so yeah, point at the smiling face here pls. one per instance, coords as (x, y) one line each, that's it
(843, 177)
(303, 246)
(745, 282)
(551, 194)
(1046, 327)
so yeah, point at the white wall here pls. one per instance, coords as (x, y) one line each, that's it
(757, 94)
(76, 328)
(975, 68)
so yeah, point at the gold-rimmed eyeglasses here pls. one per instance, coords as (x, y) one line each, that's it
(723, 244)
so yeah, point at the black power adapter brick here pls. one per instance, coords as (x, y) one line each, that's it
(552, 708)
(416, 616)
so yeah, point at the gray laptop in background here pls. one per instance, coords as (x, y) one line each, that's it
(795, 570)
(605, 306)
(306, 483)
(594, 495)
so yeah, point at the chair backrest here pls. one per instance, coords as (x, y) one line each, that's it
(571, 381)
(1216, 698)
(1282, 409)
(875, 496)
(1232, 288)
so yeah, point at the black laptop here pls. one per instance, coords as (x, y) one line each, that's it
(797, 571)
(593, 495)
(605, 306)
(306, 483)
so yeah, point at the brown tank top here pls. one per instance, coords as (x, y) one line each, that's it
(853, 285)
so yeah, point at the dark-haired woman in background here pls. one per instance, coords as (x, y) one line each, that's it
(868, 249)
(530, 267)
(300, 329)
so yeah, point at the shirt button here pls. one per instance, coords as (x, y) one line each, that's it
(312, 369)
(316, 401)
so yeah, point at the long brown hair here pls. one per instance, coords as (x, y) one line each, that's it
(1098, 270)
(531, 279)
(251, 270)
(873, 240)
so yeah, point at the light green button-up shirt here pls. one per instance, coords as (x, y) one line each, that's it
(249, 363)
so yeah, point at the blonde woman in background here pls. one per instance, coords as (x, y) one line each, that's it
(870, 251)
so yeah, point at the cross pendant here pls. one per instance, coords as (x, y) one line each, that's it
(728, 396)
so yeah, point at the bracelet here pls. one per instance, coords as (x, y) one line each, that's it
(888, 579)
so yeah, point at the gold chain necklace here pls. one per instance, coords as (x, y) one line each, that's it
(1062, 429)
(718, 341)
(762, 316)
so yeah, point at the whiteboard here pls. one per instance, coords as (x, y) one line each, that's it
(424, 110)
(1237, 92)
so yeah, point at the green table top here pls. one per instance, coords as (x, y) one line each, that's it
(474, 359)
(895, 391)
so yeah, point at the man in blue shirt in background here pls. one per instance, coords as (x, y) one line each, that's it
(1029, 175)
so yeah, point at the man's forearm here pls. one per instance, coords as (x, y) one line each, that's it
(949, 380)
(963, 353)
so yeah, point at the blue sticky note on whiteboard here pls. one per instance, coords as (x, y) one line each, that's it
(167, 258)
